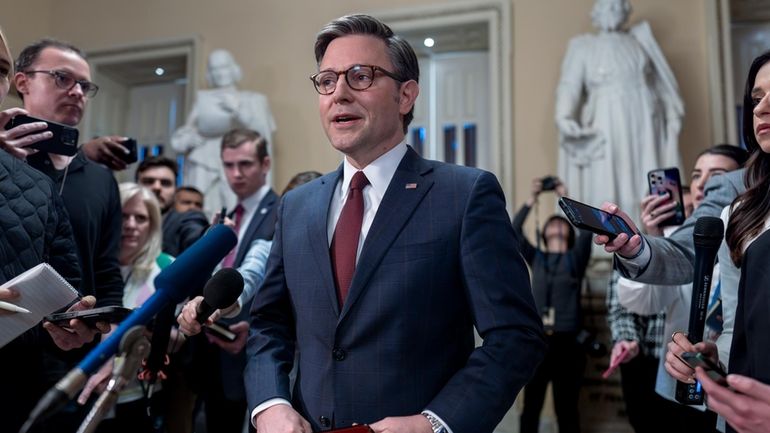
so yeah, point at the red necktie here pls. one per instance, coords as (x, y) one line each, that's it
(229, 259)
(347, 234)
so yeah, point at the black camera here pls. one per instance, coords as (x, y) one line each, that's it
(550, 183)
(593, 347)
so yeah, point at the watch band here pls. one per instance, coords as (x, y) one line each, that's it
(435, 424)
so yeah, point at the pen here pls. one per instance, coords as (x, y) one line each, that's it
(7, 306)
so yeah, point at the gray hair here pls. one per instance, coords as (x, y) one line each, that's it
(401, 54)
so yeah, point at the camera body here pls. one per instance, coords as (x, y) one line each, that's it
(549, 183)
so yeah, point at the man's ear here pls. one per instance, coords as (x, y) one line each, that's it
(266, 163)
(407, 95)
(21, 82)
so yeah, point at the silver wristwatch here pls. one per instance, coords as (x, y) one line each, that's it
(435, 424)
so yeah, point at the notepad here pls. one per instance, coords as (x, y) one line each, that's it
(43, 291)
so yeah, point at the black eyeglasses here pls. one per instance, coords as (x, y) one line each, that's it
(358, 77)
(66, 81)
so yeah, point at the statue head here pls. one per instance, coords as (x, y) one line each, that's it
(610, 15)
(222, 70)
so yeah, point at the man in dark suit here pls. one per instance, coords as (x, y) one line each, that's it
(380, 270)
(246, 164)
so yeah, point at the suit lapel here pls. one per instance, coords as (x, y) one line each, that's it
(405, 192)
(317, 233)
(263, 209)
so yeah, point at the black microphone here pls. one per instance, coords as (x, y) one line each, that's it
(172, 285)
(221, 291)
(707, 237)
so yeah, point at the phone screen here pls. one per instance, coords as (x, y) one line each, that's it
(593, 219)
(713, 370)
(667, 180)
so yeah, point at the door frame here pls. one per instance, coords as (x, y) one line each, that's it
(189, 47)
(496, 14)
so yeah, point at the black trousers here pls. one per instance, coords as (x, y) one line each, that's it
(563, 366)
(647, 411)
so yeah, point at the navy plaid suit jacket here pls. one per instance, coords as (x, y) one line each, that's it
(438, 260)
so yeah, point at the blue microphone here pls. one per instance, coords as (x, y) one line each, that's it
(192, 268)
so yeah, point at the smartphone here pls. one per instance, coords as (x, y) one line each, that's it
(712, 369)
(363, 428)
(90, 317)
(222, 330)
(593, 219)
(222, 215)
(132, 156)
(667, 180)
(63, 142)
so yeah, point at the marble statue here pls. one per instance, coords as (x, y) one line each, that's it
(618, 110)
(216, 111)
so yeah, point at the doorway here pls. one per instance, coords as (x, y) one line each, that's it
(145, 93)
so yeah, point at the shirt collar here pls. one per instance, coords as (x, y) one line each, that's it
(379, 172)
(251, 202)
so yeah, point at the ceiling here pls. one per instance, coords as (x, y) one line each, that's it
(140, 72)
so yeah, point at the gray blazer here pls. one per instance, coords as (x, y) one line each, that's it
(671, 259)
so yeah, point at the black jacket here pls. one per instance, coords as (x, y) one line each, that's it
(182, 229)
(91, 197)
(35, 229)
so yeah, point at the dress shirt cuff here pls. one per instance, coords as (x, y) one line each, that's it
(231, 311)
(265, 405)
(433, 414)
(632, 267)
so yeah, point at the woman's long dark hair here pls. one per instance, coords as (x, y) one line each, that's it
(750, 209)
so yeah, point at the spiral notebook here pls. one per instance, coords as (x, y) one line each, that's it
(43, 291)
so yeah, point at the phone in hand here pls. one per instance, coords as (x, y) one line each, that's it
(90, 317)
(221, 330)
(667, 180)
(593, 219)
(132, 156)
(63, 142)
(712, 369)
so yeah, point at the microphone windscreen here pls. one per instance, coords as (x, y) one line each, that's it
(194, 265)
(223, 288)
(708, 232)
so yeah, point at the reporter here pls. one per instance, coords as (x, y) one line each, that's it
(557, 273)
(141, 260)
(744, 253)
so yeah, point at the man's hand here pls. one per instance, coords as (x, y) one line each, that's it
(241, 331)
(78, 333)
(402, 424)
(16, 140)
(107, 150)
(676, 367)
(7, 295)
(186, 319)
(622, 244)
(281, 418)
(746, 406)
(655, 210)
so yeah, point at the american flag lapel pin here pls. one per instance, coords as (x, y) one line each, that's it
(411, 186)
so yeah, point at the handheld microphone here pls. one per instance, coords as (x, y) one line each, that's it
(221, 291)
(172, 285)
(707, 237)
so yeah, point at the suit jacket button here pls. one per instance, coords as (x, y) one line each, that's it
(338, 354)
(325, 422)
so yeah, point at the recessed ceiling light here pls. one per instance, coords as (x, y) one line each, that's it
(429, 42)
(159, 71)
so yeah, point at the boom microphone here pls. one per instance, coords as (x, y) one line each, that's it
(221, 291)
(172, 285)
(707, 237)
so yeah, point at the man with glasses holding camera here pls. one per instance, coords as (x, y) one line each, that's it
(380, 270)
(558, 261)
(53, 80)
